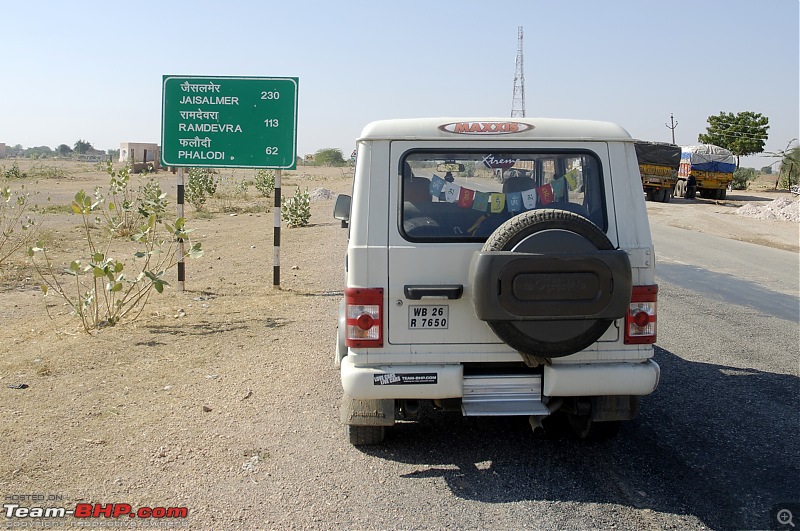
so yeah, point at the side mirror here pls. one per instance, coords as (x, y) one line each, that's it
(341, 210)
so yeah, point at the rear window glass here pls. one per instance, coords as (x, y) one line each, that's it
(467, 195)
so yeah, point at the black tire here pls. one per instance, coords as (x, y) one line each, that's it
(365, 435)
(650, 195)
(548, 338)
(511, 233)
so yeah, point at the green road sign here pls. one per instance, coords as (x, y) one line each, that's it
(229, 122)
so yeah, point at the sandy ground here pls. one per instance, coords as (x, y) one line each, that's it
(739, 217)
(215, 397)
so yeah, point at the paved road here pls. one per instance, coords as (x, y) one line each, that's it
(727, 412)
(716, 446)
(726, 270)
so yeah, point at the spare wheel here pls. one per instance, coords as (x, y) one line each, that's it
(549, 283)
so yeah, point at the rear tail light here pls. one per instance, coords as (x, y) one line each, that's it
(640, 321)
(364, 311)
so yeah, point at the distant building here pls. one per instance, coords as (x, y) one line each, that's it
(2, 150)
(140, 155)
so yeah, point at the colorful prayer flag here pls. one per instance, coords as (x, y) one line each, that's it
(466, 198)
(545, 193)
(437, 183)
(572, 179)
(451, 192)
(529, 199)
(559, 187)
(514, 200)
(481, 201)
(497, 203)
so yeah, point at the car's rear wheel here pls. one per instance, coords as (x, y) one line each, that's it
(365, 435)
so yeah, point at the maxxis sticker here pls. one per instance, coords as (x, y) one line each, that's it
(485, 128)
(406, 379)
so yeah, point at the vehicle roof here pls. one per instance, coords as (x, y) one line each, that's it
(470, 129)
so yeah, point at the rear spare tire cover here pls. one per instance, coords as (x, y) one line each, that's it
(549, 283)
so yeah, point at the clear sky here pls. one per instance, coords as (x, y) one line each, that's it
(93, 70)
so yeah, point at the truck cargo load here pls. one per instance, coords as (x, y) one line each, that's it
(707, 157)
(711, 167)
(658, 153)
(658, 166)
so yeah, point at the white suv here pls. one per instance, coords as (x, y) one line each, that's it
(497, 267)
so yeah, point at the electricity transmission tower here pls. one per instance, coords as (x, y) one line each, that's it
(518, 102)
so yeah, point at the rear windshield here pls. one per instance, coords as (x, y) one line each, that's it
(467, 195)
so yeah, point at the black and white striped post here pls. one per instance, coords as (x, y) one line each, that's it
(276, 252)
(181, 265)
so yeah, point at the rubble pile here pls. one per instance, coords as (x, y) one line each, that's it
(781, 209)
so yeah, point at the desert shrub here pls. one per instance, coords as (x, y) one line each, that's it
(742, 177)
(229, 191)
(48, 172)
(127, 209)
(13, 172)
(201, 185)
(17, 227)
(264, 182)
(104, 289)
(296, 211)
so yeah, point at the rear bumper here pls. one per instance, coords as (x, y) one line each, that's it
(447, 381)
(607, 379)
(402, 381)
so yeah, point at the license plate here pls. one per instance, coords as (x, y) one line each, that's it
(428, 317)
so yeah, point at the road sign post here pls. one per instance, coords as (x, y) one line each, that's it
(231, 122)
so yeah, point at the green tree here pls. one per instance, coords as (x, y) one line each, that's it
(742, 134)
(790, 168)
(82, 146)
(766, 170)
(64, 150)
(38, 152)
(329, 157)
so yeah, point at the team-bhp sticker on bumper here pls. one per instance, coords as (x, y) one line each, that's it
(405, 379)
(401, 381)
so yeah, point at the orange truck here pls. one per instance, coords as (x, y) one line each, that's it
(658, 166)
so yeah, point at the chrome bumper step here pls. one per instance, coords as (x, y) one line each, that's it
(503, 395)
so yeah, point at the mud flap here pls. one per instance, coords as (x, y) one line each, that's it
(370, 412)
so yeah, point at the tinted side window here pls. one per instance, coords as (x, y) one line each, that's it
(466, 195)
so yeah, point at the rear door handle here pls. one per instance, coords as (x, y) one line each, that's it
(448, 291)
